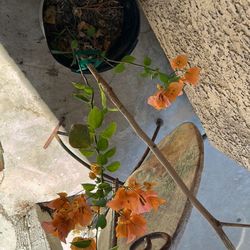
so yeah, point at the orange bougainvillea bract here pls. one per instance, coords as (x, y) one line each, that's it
(174, 90)
(136, 198)
(130, 225)
(179, 62)
(173, 84)
(67, 216)
(159, 100)
(192, 75)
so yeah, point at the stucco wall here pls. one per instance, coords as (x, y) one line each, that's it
(215, 36)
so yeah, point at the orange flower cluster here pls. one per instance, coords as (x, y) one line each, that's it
(130, 202)
(130, 225)
(67, 215)
(164, 97)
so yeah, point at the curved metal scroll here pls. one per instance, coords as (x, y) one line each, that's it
(146, 239)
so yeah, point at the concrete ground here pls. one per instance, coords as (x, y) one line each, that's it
(35, 91)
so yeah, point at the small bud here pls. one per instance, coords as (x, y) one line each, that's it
(159, 87)
(96, 168)
(95, 209)
(92, 175)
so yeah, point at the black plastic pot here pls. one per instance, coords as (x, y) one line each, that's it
(124, 44)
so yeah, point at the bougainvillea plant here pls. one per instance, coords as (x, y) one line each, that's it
(129, 200)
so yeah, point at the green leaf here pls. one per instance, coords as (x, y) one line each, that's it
(113, 109)
(164, 78)
(102, 143)
(103, 98)
(74, 44)
(144, 74)
(98, 180)
(79, 136)
(154, 75)
(128, 59)
(81, 97)
(88, 186)
(78, 85)
(88, 90)
(81, 244)
(114, 248)
(91, 31)
(101, 202)
(113, 166)
(147, 61)
(102, 159)
(174, 79)
(106, 187)
(87, 153)
(109, 131)
(101, 195)
(110, 152)
(101, 221)
(147, 70)
(92, 195)
(119, 68)
(95, 118)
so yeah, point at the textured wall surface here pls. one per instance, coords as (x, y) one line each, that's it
(215, 35)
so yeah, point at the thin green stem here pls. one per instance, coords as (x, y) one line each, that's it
(62, 133)
(135, 64)
(81, 72)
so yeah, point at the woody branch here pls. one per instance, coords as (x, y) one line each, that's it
(217, 225)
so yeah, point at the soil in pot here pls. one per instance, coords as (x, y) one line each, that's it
(94, 24)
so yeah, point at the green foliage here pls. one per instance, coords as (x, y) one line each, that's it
(81, 244)
(101, 202)
(113, 109)
(92, 195)
(74, 44)
(87, 153)
(128, 59)
(95, 118)
(105, 186)
(109, 131)
(102, 144)
(91, 31)
(114, 248)
(79, 136)
(82, 97)
(144, 74)
(174, 78)
(88, 186)
(102, 159)
(110, 152)
(164, 78)
(119, 68)
(103, 98)
(113, 166)
(86, 89)
(147, 61)
(101, 221)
